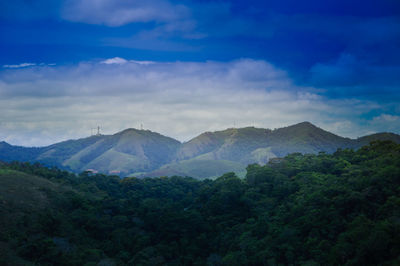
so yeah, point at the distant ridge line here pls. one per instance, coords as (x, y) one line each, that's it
(141, 152)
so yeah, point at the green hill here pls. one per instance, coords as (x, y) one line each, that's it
(24, 198)
(315, 209)
(378, 136)
(199, 168)
(146, 153)
(306, 138)
(123, 153)
(232, 144)
(248, 145)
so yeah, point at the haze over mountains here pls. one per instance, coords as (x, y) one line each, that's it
(134, 152)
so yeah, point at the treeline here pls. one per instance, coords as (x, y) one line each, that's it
(325, 209)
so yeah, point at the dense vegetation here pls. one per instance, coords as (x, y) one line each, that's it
(325, 209)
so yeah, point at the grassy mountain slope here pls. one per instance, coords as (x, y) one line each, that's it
(234, 144)
(214, 153)
(242, 144)
(57, 153)
(305, 138)
(256, 145)
(125, 152)
(142, 152)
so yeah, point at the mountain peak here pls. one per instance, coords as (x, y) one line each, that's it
(142, 134)
(304, 124)
(128, 130)
(4, 143)
(302, 128)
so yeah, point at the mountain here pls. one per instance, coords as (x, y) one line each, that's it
(306, 138)
(126, 152)
(146, 153)
(17, 153)
(324, 209)
(123, 153)
(378, 136)
(213, 153)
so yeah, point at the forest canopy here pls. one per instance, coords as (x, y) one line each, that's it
(323, 209)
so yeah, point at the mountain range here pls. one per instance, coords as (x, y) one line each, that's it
(134, 152)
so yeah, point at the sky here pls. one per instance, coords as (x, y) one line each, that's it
(184, 67)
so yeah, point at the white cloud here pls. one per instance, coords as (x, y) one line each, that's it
(19, 65)
(387, 118)
(116, 13)
(385, 122)
(115, 60)
(23, 65)
(41, 105)
(142, 62)
(120, 61)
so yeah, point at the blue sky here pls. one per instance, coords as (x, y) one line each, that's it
(183, 67)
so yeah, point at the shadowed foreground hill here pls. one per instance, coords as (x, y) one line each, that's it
(24, 200)
(144, 153)
(325, 209)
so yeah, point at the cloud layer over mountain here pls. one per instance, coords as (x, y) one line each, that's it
(42, 104)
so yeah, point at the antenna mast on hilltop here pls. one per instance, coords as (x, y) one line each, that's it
(93, 129)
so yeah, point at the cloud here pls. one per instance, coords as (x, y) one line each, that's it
(120, 61)
(24, 65)
(115, 60)
(387, 118)
(165, 20)
(20, 65)
(142, 62)
(390, 122)
(116, 13)
(40, 105)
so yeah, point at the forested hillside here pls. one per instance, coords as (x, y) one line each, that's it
(143, 153)
(322, 209)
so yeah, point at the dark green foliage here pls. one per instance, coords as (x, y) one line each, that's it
(325, 209)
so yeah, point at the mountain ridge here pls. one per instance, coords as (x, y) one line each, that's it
(134, 152)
